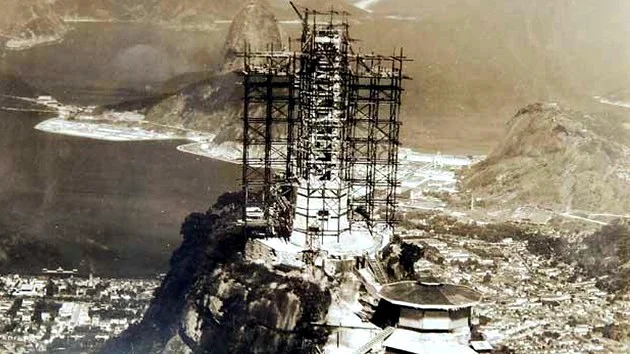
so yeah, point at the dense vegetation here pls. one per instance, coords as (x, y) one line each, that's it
(399, 258)
(607, 253)
(204, 241)
(444, 224)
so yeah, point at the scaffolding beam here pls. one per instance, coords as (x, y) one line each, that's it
(321, 134)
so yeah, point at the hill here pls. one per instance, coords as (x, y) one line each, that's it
(476, 61)
(178, 12)
(214, 103)
(607, 253)
(214, 301)
(169, 12)
(12, 85)
(27, 23)
(556, 158)
(255, 26)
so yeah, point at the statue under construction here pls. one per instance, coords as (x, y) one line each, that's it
(320, 140)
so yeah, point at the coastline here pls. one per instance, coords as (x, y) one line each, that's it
(418, 169)
(18, 44)
(200, 144)
(609, 102)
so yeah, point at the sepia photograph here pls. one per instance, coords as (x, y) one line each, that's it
(314, 176)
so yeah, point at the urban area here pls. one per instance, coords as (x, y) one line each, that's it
(64, 311)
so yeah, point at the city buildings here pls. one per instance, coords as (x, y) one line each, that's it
(64, 309)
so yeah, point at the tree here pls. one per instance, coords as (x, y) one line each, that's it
(409, 255)
(51, 288)
(487, 278)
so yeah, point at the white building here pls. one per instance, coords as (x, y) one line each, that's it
(433, 307)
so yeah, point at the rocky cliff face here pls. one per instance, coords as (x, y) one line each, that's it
(557, 158)
(213, 301)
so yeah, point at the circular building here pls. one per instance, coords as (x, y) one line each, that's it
(432, 307)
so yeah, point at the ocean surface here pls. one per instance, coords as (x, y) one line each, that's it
(112, 208)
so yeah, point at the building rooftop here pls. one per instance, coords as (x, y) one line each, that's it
(430, 295)
(481, 345)
(407, 341)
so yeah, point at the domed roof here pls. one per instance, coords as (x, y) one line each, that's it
(430, 295)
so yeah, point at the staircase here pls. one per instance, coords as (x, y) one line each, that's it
(377, 270)
(377, 340)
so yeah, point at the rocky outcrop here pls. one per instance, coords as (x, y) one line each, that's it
(556, 158)
(393, 261)
(214, 301)
(252, 307)
(254, 28)
(176, 346)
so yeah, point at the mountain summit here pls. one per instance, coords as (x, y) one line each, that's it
(255, 28)
(558, 158)
(214, 104)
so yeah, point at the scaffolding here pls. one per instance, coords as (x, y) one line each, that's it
(320, 134)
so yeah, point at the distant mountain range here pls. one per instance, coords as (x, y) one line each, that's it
(44, 16)
(153, 11)
(474, 61)
(33, 20)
